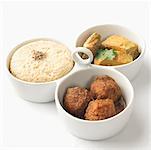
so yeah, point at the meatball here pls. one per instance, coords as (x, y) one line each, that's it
(120, 105)
(76, 100)
(105, 87)
(100, 109)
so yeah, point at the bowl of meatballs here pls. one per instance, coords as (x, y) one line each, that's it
(94, 103)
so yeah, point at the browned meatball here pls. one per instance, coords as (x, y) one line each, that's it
(100, 109)
(120, 105)
(105, 87)
(76, 100)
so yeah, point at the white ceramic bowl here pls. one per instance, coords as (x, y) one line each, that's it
(35, 92)
(130, 69)
(94, 130)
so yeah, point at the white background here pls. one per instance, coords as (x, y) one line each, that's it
(28, 124)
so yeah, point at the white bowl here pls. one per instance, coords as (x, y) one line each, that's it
(130, 69)
(35, 92)
(94, 130)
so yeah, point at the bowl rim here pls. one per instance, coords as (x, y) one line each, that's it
(119, 26)
(11, 52)
(58, 104)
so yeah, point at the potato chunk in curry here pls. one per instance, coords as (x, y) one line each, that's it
(93, 43)
(121, 44)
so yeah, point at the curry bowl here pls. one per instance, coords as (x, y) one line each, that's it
(130, 69)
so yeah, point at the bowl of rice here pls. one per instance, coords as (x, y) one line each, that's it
(35, 66)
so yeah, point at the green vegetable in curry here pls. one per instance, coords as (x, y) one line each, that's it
(106, 54)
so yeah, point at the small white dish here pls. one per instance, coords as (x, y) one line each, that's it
(131, 69)
(94, 130)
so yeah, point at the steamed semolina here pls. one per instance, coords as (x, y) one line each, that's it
(41, 61)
